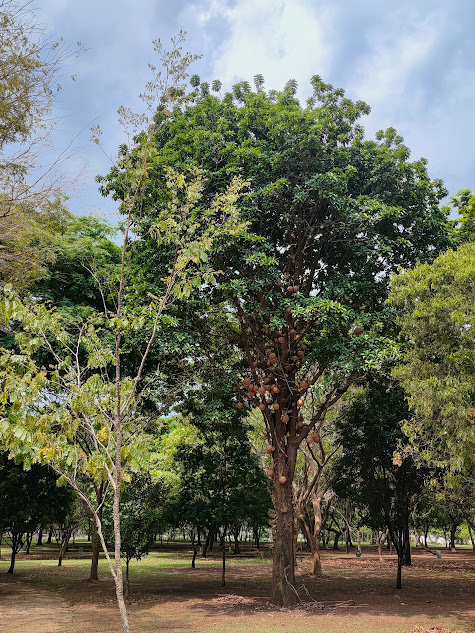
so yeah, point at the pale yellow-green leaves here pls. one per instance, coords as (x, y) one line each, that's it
(191, 229)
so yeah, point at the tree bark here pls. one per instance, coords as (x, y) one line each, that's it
(381, 541)
(96, 550)
(64, 545)
(283, 569)
(222, 538)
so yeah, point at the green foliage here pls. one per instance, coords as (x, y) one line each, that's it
(141, 516)
(464, 226)
(369, 431)
(29, 499)
(436, 307)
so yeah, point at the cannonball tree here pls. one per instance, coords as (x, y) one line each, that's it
(300, 298)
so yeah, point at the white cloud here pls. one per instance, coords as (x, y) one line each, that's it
(281, 39)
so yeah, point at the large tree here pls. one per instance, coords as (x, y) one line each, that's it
(302, 296)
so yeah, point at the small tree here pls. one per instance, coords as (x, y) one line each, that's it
(366, 472)
(141, 510)
(29, 499)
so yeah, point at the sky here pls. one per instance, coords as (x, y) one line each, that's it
(412, 61)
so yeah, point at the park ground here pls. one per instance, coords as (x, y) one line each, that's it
(354, 596)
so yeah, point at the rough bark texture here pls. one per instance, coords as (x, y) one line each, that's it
(283, 570)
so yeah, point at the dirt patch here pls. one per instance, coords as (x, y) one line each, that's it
(167, 596)
(28, 609)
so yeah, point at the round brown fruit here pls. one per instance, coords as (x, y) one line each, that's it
(303, 347)
(300, 402)
(270, 472)
(282, 479)
(290, 288)
(304, 385)
(275, 389)
(295, 289)
(270, 449)
(239, 405)
(292, 332)
(300, 354)
(276, 406)
(246, 382)
(300, 424)
(262, 407)
(262, 390)
(358, 330)
(316, 436)
(309, 440)
(281, 339)
(285, 418)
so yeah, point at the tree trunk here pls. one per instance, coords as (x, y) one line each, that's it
(223, 553)
(283, 570)
(236, 540)
(471, 536)
(118, 579)
(399, 571)
(40, 537)
(96, 550)
(12, 559)
(206, 545)
(195, 548)
(64, 545)
(50, 536)
(407, 558)
(381, 540)
(127, 585)
(453, 530)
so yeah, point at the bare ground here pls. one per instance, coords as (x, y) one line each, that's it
(354, 596)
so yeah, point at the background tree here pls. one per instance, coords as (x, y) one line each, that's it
(331, 216)
(29, 499)
(32, 65)
(464, 226)
(369, 431)
(222, 485)
(141, 513)
(436, 314)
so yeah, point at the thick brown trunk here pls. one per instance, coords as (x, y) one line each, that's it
(283, 570)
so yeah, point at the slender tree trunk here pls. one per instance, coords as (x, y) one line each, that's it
(127, 585)
(40, 537)
(223, 553)
(50, 536)
(64, 545)
(381, 540)
(236, 540)
(406, 543)
(453, 529)
(400, 562)
(119, 580)
(471, 536)
(12, 560)
(96, 550)
(207, 543)
(195, 548)
(16, 545)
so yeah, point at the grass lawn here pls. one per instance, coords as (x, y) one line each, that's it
(353, 596)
